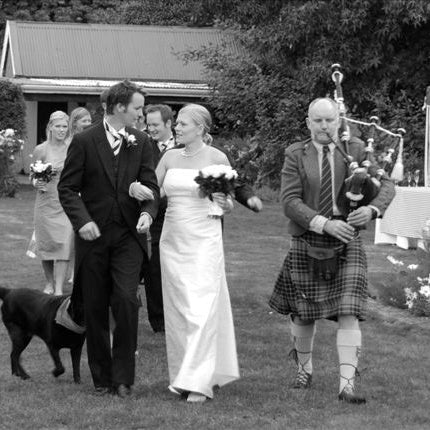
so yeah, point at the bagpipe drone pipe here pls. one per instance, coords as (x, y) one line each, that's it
(364, 180)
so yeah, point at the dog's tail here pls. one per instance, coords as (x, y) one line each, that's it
(4, 292)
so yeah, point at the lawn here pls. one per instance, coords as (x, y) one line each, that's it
(395, 353)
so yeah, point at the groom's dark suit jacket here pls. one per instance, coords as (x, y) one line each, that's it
(93, 185)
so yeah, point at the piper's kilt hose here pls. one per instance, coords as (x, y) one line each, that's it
(296, 291)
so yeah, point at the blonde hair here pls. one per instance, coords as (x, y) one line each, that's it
(57, 115)
(201, 116)
(75, 116)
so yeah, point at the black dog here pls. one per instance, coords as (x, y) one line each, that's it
(27, 312)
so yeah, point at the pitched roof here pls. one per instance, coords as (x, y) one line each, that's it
(49, 50)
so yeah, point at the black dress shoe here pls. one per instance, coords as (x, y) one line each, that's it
(123, 391)
(349, 395)
(103, 391)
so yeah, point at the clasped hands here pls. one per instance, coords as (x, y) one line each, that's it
(345, 231)
(140, 192)
(90, 231)
(225, 202)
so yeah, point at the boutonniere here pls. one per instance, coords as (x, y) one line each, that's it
(130, 139)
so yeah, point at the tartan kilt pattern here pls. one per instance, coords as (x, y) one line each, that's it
(297, 292)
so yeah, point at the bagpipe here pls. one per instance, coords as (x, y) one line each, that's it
(364, 180)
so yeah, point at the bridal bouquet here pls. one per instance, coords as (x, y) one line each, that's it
(217, 178)
(40, 170)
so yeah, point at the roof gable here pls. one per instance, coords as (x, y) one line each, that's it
(101, 51)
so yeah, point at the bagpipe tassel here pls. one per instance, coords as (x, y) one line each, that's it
(397, 173)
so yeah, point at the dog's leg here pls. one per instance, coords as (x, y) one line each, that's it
(20, 339)
(76, 363)
(55, 354)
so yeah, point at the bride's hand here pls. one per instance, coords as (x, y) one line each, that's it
(39, 184)
(224, 201)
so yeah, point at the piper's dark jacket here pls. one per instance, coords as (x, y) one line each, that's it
(300, 184)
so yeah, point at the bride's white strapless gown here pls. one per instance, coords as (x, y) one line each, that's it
(200, 340)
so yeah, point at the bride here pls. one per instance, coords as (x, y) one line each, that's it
(201, 346)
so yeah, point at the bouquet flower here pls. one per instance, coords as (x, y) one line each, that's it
(42, 171)
(217, 178)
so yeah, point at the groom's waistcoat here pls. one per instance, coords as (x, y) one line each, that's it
(115, 214)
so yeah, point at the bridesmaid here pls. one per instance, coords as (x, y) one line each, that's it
(53, 230)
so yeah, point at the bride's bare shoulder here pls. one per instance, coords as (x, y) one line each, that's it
(171, 154)
(217, 156)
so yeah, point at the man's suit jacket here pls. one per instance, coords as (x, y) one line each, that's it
(88, 189)
(300, 185)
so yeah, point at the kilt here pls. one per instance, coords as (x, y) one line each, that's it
(297, 292)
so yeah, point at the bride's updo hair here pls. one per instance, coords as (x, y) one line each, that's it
(201, 116)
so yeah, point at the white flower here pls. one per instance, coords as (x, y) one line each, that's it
(39, 166)
(9, 132)
(410, 297)
(131, 139)
(217, 170)
(413, 266)
(425, 290)
(392, 260)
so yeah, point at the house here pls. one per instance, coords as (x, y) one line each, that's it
(60, 66)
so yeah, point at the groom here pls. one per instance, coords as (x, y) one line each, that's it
(101, 164)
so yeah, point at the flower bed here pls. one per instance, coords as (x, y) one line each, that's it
(406, 286)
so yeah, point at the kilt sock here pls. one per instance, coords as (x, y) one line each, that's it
(348, 348)
(303, 338)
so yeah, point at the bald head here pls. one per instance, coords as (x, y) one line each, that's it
(323, 120)
(322, 103)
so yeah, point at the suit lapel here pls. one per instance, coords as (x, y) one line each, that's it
(123, 161)
(105, 151)
(156, 151)
(310, 164)
(339, 172)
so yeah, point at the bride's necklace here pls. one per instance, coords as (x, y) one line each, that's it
(184, 152)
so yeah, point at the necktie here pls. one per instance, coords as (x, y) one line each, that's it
(163, 147)
(116, 145)
(326, 191)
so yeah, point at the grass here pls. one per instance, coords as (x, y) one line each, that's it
(395, 354)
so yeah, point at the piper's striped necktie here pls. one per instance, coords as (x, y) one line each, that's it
(326, 190)
(116, 144)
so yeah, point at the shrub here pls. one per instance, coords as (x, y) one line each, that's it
(12, 126)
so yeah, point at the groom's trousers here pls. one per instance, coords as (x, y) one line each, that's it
(109, 276)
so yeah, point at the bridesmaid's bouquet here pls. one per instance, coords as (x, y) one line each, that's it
(40, 170)
(217, 178)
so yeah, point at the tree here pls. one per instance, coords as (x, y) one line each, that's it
(286, 49)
